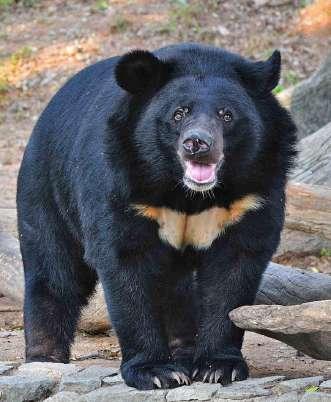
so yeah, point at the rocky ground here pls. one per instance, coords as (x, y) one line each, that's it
(55, 382)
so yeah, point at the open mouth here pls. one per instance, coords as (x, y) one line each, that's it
(200, 176)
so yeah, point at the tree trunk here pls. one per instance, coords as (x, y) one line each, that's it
(308, 101)
(314, 160)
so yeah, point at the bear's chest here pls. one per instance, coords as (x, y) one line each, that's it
(197, 230)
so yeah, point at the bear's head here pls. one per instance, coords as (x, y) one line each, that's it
(201, 114)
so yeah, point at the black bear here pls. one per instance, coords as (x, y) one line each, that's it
(161, 175)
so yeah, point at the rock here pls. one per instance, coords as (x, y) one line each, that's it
(112, 380)
(223, 30)
(196, 391)
(270, 3)
(313, 165)
(54, 371)
(123, 393)
(86, 380)
(307, 101)
(298, 384)
(263, 381)
(316, 397)
(63, 397)
(288, 397)
(6, 334)
(306, 327)
(19, 388)
(326, 386)
(301, 318)
(235, 391)
(4, 368)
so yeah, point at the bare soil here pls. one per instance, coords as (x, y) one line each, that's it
(43, 45)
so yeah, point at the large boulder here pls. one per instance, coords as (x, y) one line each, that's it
(306, 327)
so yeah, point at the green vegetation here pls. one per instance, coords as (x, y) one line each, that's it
(21, 54)
(4, 87)
(279, 88)
(291, 78)
(119, 24)
(325, 252)
(183, 19)
(9, 65)
(311, 388)
(101, 5)
(5, 4)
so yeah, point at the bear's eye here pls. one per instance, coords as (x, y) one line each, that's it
(225, 115)
(180, 113)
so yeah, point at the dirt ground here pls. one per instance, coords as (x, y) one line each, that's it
(42, 43)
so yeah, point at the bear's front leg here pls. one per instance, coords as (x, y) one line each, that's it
(227, 279)
(133, 282)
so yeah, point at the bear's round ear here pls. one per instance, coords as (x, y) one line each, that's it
(140, 71)
(261, 77)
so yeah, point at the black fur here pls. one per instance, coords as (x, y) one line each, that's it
(102, 145)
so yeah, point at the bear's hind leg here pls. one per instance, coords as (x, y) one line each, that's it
(50, 319)
(57, 285)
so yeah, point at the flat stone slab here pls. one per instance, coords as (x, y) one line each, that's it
(316, 397)
(289, 397)
(196, 391)
(54, 371)
(86, 380)
(18, 388)
(262, 381)
(298, 384)
(56, 382)
(112, 380)
(303, 318)
(123, 393)
(325, 385)
(4, 368)
(63, 396)
(238, 393)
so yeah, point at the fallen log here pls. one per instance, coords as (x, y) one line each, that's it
(289, 286)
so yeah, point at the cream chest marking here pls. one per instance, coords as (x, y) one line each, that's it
(198, 230)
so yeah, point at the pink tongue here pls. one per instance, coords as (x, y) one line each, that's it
(200, 173)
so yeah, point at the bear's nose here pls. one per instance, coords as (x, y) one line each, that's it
(197, 142)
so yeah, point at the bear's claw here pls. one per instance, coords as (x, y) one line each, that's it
(151, 375)
(220, 371)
